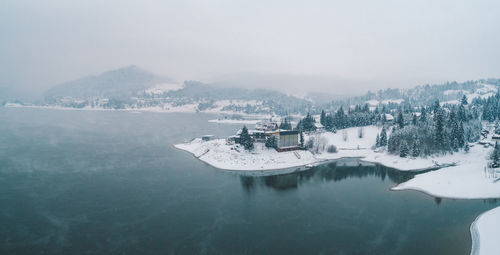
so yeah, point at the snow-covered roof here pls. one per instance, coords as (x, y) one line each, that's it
(318, 125)
(389, 116)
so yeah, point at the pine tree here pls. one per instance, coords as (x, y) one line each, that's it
(301, 139)
(308, 123)
(285, 124)
(464, 100)
(271, 142)
(383, 137)
(415, 150)
(495, 155)
(423, 115)
(461, 135)
(414, 120)
(400, 120)
(436, 107)
(377, 141)
(249, 144)
(462, 116)
(467, 148)
(403, 149)
(439, 130)
(245, 139)
(322, 118)
(454, 145)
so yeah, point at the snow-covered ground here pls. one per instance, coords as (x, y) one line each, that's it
(233, 157)
(485, 232)
(162, 88)
(347, 141)
(469, 179)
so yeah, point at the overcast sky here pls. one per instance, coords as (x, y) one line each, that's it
(341, 47)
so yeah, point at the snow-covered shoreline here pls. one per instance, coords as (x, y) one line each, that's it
(188, 108)
(227, 157)
(485, 231)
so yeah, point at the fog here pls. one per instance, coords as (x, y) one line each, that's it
(294, 46)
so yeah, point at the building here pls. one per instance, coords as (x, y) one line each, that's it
(266, 126)
(264, 129)
(319, 126)
(288, 140)
(388, 117)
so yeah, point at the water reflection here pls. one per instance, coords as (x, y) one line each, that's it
(334, 171)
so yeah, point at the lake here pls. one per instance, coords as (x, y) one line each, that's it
(110, 182)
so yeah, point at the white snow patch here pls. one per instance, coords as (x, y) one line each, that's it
(485, 231)
(233, 157)
(469, 179)
(373, 102)
(161, 88)
(396, 101)
(454, 92)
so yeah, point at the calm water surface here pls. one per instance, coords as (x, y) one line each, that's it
(81, 182)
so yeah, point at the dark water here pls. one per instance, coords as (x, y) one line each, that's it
(76, 182)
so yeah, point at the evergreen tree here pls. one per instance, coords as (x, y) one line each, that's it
(439, 137)
(454, 145)
(423, 114)
(464, 101)
(403, 149)
(383, 137)
(301, 140)
(377, 141)
(495, 155)
(436, 107)
(414, 120)
(285, 124)
(307, 123)
(271, 142)
(322, 118)
(461, 135)
(400, 120)
(245, 139)
(462, 116)
(329, 125)
(467, 148)
(415, 150)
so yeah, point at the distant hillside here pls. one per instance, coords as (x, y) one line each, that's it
(449, 92)
(119, 83)
(135, 88)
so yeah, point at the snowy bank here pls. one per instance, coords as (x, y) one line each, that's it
(233, 157)
(485, 232)
(469, 179)
(348, 142)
